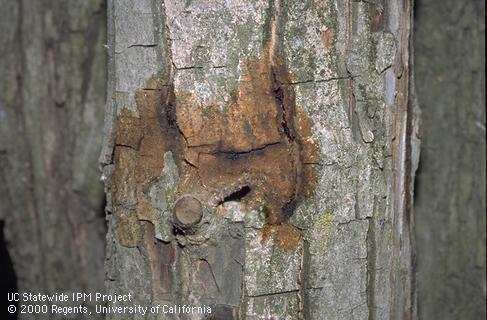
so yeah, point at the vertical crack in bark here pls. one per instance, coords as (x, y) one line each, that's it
(287, 115)
(352, 116)
(371, 269)
(301, 293)
(348, 90)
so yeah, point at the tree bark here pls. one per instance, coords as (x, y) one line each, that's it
(52, 78)
(450, 206)
(259, 158)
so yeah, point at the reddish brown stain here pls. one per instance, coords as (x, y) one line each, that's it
(123, 196)
(261, 136)
(128, 131)
(378, 16)
(141, 139)
(327, 37)
(286, 236)
(260, 141)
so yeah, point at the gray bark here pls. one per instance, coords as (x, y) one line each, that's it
(52, 79)
(450, 206)
(188, 85)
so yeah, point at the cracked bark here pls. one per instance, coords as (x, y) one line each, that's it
(323, 231)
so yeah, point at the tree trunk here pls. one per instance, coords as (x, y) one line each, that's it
(450, 206)
(259, 158)
(52, 78)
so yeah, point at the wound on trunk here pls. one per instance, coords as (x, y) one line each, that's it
(260, 144)
(258, 151)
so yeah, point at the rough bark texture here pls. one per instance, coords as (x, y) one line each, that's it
(292, 124)
(450, 210)
(52, 79)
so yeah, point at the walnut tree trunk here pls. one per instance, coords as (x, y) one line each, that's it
(259, 157)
